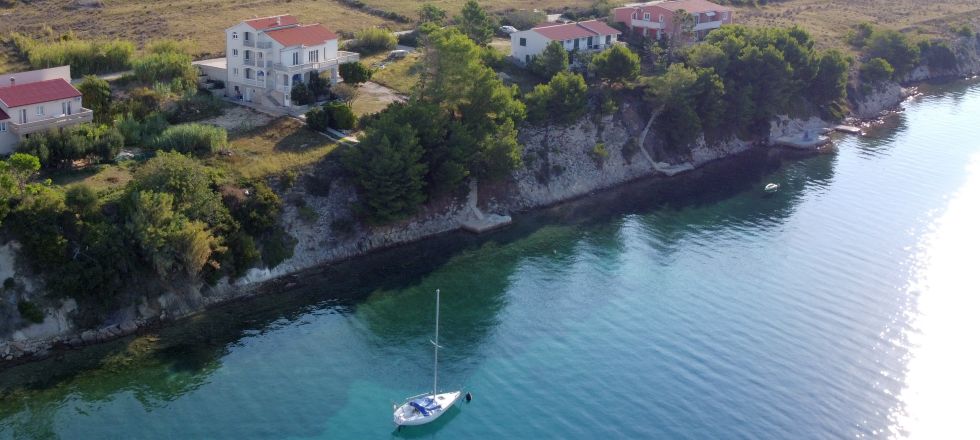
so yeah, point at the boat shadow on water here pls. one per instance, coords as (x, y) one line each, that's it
(429, 429)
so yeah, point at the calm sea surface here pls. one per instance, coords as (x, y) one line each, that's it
(843, 306)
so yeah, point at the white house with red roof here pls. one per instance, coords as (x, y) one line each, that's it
(35, 101)
(267, 56)
(655, 19)
(583, 35)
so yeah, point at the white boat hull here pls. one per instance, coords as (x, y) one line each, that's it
(408, 415)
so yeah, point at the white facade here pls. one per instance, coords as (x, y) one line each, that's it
(584, 36)
(528, 44)
(262, 69)
(22, 120)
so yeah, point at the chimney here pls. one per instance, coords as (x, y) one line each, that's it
(278, 20)
(12, 81)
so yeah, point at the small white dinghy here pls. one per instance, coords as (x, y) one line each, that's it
(424, 408)
(771, 188)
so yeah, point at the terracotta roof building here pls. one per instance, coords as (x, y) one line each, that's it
(38, 100)
(580, 36)
(656, 19)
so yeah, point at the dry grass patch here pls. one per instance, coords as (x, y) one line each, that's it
(410, 8)
(829, 20)
(400, 75)
(102, 178)
(284, 144)
(202, 22)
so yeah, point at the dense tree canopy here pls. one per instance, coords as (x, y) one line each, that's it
(562, 99)
(475, 23)
(461, 121)
(553, 59)
(616, 64)
(96, 96)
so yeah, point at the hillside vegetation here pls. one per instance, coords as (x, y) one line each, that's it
(829, 20)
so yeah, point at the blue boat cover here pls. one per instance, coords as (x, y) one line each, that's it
(425, 405)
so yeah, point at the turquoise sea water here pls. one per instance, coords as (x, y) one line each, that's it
(840, 307)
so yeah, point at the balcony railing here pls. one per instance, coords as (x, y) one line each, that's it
(705, 25)
(342, 57)
(647, 24)
(264, 45)
(248, 43)
(249, 62)
(82, 116)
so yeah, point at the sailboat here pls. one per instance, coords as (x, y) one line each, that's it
(426, 407)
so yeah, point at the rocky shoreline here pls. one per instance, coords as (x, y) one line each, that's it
(561, 164)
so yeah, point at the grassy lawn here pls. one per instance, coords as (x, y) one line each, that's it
(102, 178)
(284, 144)
(829, 20)
(400, 75)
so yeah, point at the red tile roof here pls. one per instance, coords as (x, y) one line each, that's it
(308, 35)
(3, 115)
(264, 23)
(35, 92)
(582, 29)
(693, 6)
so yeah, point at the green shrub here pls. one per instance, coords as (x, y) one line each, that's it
(938, 55)
(599, 153)
(894, 47)
(616, 64)
(876, 70)
(373, 40)
(563, 99)
(355, 73)
(301, 95)
(553, 59)
(195, 107)
(340, 115)
(199, 139)
(277, 247)
(84, 56)
(167, 68)
(30, 311)
(9, 283)
(318, 119)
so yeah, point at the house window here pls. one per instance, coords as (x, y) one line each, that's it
(527, 59)
(523, 41)
(248, 73)
(234, 35)
(576, 43)
(646, 16)
(3, 127)
(313, 56)
(589, 43)
(248, 36)
(724, 16)
(248, 55)
(661, 18)
(66, 108)
(23, 116)
(40, 110)
(608, 39)
(295, 58)
(234, 72)
(234, 52)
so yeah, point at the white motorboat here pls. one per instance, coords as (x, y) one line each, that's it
(772, 187)
(424, 408)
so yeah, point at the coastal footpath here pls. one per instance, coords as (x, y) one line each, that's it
(560, 164)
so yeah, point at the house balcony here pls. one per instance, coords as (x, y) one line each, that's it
(249, 62)
(82, 116)
(646, 24)
(248, 43)
(707, 25)
(342, 58)
(263, 45)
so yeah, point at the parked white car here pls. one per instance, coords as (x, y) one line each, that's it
(508, 29)
(397, 54)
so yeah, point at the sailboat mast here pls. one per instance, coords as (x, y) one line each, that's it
(435, 369)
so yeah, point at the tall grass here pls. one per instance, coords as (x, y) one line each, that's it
(85, 56)
(199, 139)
